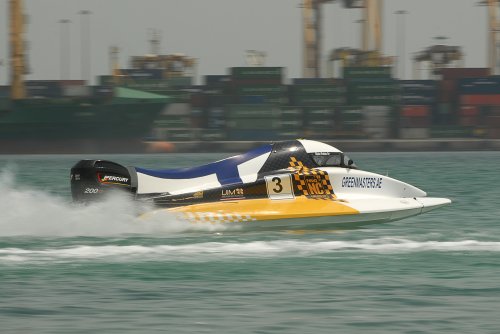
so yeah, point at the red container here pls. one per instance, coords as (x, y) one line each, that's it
(493, 133)
(415, 122)
(480, 100)
(463, 72)
(469, 111)
(469, 120)
(447, 90)
(415, 111)
(493, 122)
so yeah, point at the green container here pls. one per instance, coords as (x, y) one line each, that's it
(372, 88)
(180, 135)
(452, 132)
(243, 73)
(262, 111)
(319, 100)
(349, 113)
(320, 90)
(4, 103)
(319, 113)
(173, 122)
(373, 100)
(291, 113)
(290, 134)
(212, 135)
(254, 123)
(262, 90)
(367, 72)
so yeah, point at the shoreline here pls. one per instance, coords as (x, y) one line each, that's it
(354, 145)
(158, 147)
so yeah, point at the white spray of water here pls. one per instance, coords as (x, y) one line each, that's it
(31, 212)
(214, 251)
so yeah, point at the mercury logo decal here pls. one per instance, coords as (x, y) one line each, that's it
(112, 179)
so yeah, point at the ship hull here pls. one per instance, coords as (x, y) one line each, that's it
(31, 126)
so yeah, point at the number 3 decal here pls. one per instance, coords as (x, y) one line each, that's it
(279, 186)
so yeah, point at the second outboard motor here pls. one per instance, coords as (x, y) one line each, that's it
(92, 180)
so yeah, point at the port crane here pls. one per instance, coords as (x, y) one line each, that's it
(371, 36)
(17, 56)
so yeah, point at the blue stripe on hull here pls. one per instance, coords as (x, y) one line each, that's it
(226, 170)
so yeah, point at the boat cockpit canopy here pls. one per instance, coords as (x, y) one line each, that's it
(332, 159)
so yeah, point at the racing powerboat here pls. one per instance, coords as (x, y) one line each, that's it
(290, 183)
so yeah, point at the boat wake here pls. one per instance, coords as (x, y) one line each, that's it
(217, 251)
(32, 212)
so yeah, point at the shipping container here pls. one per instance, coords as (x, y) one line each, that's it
(479, 86)
(372, 87)
(469, 111)
(217, 80)
(256, 73)
(43, 88)
(76, 91)
(414, 133)
(4, 91)
(419, 99)
(142, 73)
(267, 90)
(415, 111)
(451, 131)
(493, 121)
(212, 135)
(371, 99)
(367, 72)
(418, 86)
(252, 111)
(173, 121)
(300, 100)
(313, 90)
(463, 72)
(103, 91)
(480, 100)
(316, 81)
(383, 132)
(290, 134)
(447, 91)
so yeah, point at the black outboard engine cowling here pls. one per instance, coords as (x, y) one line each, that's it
(92, 180)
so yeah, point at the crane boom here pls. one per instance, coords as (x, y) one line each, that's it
(16, 20)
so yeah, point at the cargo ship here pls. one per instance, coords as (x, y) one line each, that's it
(91, 124)
(69, 116)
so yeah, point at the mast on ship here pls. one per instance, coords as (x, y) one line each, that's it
(17, 61)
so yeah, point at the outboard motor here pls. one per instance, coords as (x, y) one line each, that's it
(92, 180)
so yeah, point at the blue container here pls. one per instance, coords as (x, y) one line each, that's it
(483, 85)
(143, 73)
(43, 88)
(418, 86)
(418, 99)
(217, 80)
(312, 81)
(252, 99)
(4, 91)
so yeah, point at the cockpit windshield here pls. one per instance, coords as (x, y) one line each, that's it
(332, 159)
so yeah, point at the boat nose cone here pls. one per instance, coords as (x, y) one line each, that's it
(430, 203)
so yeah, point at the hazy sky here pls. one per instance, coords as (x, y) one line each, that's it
(218, 32)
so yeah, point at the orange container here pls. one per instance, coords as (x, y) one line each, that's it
(415, 111)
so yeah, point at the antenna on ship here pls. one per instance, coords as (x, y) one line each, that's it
(114, 65)
(17, 57)
(155, 41)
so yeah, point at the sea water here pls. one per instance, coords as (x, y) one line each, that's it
(97, 269)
